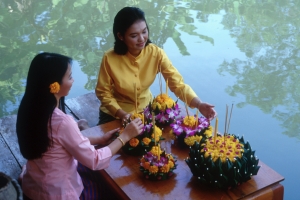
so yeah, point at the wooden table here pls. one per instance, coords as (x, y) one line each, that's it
(124, 176)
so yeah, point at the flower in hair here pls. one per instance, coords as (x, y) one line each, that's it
(54, 87)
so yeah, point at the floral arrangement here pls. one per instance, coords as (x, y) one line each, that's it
(165, 109)
(143, 142)
(222, 161)
(157, 164)
(189, 129)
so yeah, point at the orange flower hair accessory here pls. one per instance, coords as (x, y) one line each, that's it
(54, 87)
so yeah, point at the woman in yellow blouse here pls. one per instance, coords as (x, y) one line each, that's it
(135, 60)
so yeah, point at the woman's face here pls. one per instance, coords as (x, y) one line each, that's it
(67, 83)
(135, 37)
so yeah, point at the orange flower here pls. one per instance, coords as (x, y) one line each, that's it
(134, 142)
(54, 87)
(146, 140)
(146, 165)
(165, 168)
(171, 164)
(153, 169)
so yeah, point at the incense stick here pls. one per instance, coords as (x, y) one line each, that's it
(226, 119)
(167, 87)
(153, 126)
(230, 117)
(135, 97)
(185, 104)
(160, 81)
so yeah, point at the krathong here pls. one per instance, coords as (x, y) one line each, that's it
(166, 110)
(157, 164)
(143, 142)
(189, 129)
(223, 161)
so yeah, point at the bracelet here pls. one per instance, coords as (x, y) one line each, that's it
(121, 141)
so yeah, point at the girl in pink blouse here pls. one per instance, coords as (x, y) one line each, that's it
(51, 141)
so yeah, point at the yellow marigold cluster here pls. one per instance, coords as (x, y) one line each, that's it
(165, 168)
(153, 169)
(189, 121)
(227, 147)
(134, 142)
(136, 115)
(156, 150)
(209, 131)
(158, 133)
(163, 101)
(171, 163)
(191, 140)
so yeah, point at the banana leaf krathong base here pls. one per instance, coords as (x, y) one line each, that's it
(222, 171)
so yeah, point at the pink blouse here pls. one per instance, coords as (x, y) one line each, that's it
(54, 176)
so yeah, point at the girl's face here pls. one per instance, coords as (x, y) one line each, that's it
(135, 37)
(67, 83)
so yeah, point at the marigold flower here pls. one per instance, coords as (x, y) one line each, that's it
(198, 138)
(155, 104)
(54, 87)
(190, 140)
(171, 164)
(136, 115)
(142, 160)
(156, 150)
(189, 121)
(208, 132)
(153, 169)
(165, 168)
(134, 142)
(146, 140)
(146, 165)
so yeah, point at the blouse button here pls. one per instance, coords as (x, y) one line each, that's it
(135, 75)
(138, 88)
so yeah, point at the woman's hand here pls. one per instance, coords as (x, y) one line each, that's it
(82, 124)
(108, 137)
(126, 117)
(207, 110)
(134, 128)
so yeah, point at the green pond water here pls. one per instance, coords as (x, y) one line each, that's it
(243, 52)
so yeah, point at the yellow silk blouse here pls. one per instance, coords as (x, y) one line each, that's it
(119, 73)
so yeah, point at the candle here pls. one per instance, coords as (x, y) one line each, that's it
(216, 129)
(153, 126)
(135, 97)
(143, 118)
(225, 124)
(196, 118)
(167, 87)
(158, 151)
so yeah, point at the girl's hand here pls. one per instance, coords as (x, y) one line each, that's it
(108, 137)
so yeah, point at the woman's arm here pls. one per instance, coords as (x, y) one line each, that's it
(207, 110)
(182, 90)
(76, 144)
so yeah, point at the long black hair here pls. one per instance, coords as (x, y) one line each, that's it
(38, 104)
(123, 20)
